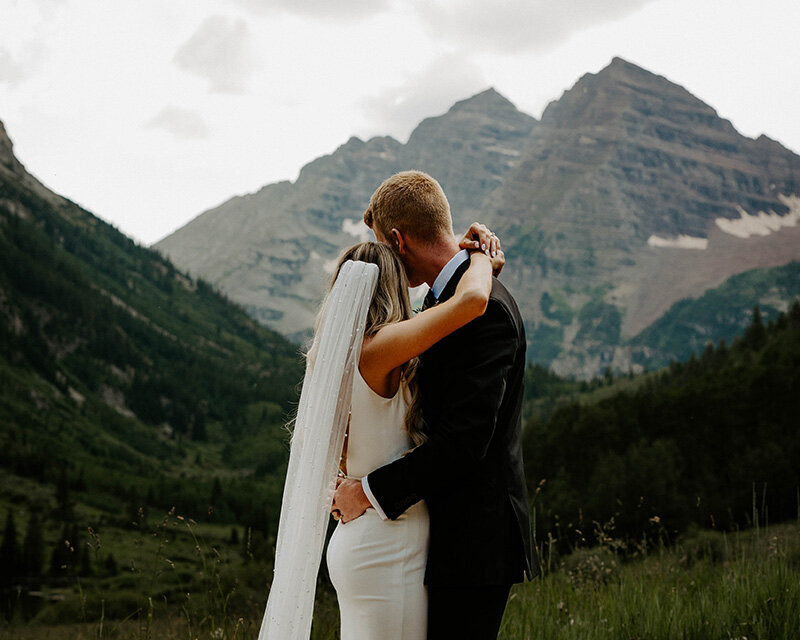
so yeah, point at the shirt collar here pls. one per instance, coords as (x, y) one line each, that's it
(447, 272)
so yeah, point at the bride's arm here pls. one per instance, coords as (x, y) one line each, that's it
(397, 343)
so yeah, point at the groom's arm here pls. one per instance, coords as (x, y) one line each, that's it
(483, 355)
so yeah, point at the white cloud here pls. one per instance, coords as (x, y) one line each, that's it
(108, 71)
(339, 10)
(10, 70)
(398, 109)
(517, 25)
(220, 51)
(181, 123)
(17, 69)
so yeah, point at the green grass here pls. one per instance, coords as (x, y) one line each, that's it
(709, 585)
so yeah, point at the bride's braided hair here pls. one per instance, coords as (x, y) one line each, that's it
(390, 304)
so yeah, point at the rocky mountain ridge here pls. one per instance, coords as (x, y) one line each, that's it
(272, 250)
(629, 195)
(634, 195)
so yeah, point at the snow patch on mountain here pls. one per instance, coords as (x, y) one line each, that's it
(762, 223)
(680, 242)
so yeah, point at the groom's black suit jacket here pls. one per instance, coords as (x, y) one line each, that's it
(470, 470)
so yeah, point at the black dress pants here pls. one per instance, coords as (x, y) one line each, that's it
(466, 613)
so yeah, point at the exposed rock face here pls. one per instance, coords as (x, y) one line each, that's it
(7, 158)
(272, 251)
(634, 194)
(630, 153)
(629, 195)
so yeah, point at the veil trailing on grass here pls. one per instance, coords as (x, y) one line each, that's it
(316, 451)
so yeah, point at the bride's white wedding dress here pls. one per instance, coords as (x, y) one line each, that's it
(378, 566)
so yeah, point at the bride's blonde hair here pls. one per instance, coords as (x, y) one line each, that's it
(390, 303)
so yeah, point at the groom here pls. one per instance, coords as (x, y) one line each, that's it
(469, 471)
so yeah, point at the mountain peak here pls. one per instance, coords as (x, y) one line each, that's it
(624, 87)
(621, 70)
(488, 106)
(488, 100)
(771, 145)
(621, 63)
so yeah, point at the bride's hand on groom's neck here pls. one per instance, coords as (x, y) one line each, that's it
(480, 238)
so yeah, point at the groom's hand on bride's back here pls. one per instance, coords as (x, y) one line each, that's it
(349, 501)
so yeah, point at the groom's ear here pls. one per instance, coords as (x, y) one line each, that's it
(398, 242)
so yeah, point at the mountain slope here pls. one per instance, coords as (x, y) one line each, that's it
(686, 327)
(629, 195)
(634, 194)
(270, 250)
(114, 361)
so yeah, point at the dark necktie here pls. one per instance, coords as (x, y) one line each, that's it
(429, 301)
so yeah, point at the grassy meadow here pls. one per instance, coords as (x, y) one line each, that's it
(183, 579)
(711, 585)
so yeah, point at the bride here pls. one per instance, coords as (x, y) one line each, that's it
(359, 410)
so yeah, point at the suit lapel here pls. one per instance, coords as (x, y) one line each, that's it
(427, 358)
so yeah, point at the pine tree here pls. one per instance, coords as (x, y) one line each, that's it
(216, 493)
(781, 322)
(33, 549)
(63, 498)
(199, 427)
(80, 483)
(61, 556)
(708, 354)
(9, 552)
(794, 314)
(756, 334)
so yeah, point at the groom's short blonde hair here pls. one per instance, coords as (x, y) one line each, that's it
(413, 203)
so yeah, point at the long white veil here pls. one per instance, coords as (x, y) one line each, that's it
(316, 452)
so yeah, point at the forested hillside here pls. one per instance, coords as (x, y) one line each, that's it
(686, 327)
(706, 442)
(126, 388)
(98, 330)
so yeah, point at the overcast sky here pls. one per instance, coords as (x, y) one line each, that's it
(149, 112)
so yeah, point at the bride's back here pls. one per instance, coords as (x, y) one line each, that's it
(377, 432)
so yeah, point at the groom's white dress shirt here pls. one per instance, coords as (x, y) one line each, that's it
(445, 275)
